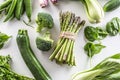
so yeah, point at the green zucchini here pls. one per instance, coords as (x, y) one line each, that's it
(29, 57)
(111, 5)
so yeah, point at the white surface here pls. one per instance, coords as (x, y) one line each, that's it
(57, 72)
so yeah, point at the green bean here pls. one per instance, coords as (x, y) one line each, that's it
(18, 9)
(5, 4)
(22, 10)
(7, 9)
(12, 17)
(11, 10)
(2, 9)
(28, 8)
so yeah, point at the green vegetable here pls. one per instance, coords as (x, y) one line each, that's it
(108, 69)
(113, 27)
(92, 49)
(28, 8)
(3, 39)
(11, 10)
(94, 10)
(70, 26)
(92, 33)
(5, 4)
(111, 5)
(5, 70)
(29, 57)
(7, 9)
(44, 43)
(44, 20)
(102, 33)
(18, 10)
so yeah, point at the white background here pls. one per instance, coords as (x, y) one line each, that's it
(57, 72)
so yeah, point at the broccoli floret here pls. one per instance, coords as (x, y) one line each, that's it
(44, 43)
(44, 20)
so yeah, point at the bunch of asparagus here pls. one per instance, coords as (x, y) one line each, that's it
(70, 26)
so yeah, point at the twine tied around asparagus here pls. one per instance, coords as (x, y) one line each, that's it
(69, 35)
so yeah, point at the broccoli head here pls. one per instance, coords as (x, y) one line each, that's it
(44, 20)
(44, 43)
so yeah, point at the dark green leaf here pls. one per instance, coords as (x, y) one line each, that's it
(113, 27)
(91, 33)
(92, 49)
(102, 33)
(3, 39)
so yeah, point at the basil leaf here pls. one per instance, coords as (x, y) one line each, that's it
(92, 49)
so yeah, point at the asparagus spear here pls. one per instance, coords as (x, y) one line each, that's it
(63, 52)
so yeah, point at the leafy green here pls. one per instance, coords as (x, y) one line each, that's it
(92, 49)
(113, 27)
(108, 69)
(102, 33)
(92, 33)
(3, 39)
(93, 10)
(44, 20)
(5, 70)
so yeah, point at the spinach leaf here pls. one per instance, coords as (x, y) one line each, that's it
(113, 27)
(92, 49)
(102, 33)
(3, 39)
(93, 34)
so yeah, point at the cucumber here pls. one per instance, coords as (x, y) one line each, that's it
(29, 57)
(111, 5)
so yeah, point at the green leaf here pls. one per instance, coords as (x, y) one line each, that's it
(113, 27)
(3, 39)
(92, 49)
(93, 34)
(102, 33)
(108, 69)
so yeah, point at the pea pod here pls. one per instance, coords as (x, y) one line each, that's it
(111, 5)
(18, 9)
(28, 8)
(5, 4)
(11, 10)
